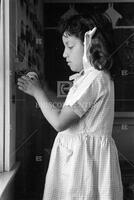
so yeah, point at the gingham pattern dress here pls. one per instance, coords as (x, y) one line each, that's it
(84, 161)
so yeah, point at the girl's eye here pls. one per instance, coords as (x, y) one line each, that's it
(70, 47)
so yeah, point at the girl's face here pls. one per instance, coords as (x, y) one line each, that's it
(73, 52)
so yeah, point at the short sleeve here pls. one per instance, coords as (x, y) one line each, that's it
(85, 101)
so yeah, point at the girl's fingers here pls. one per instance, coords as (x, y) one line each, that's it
(23, 83)
(21, 88)
(24, 80)
(25, 77)
(20, 83)
(27, 84)
(20, 80)
(32, 75)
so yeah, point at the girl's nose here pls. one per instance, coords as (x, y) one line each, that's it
(64, 54)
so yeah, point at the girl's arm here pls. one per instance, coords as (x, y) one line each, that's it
(59, 119)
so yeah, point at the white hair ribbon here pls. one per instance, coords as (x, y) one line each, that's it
(87, 44)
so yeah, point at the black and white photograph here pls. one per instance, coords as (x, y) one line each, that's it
(67, 100)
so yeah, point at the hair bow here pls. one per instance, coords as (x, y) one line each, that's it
(87, 44)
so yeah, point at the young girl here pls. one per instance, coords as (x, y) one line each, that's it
(84, 160)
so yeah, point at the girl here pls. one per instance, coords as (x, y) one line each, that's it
(84, 160)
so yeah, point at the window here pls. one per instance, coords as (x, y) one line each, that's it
(7, 107)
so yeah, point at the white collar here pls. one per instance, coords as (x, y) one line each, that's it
(84, 71)
(76, 75)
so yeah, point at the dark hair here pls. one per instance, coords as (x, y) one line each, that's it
(102, 45)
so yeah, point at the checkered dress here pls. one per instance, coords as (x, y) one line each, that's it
(84, 161)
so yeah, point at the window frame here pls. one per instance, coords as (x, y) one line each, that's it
(7, 108)
(2, 95)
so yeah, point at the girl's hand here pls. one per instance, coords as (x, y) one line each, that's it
(29, 85)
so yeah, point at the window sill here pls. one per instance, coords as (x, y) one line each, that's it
(6, 178)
